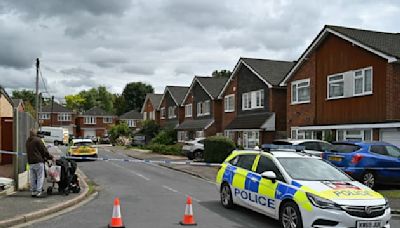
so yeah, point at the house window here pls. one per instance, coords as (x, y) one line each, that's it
(162, 113)
(153, 115)
(199, 134)
(363, 81)
(64, 117)
(336, 86)
(171, 112)
(90, 120)
(251, 139)
(183, 136)
(229, 103)
(188, 110)
(354, 135)
(230, 135)
(144, 115)
(44, 116)
(203, 108)
(107, 119)
(131, 123)
(301, 91)
(253, 100)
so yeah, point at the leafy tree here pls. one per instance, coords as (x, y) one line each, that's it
(28, 96)
(167, 136)
(221, 73)
(119, 104)
(121, 129)
(105, 99)
(75, 102)
(134, 94)
(149, 129)
(90, 97)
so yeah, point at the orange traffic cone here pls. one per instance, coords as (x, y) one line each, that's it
(188, 219)
(116, 220)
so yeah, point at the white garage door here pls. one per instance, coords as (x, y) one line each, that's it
(391, 136)
(89, 133)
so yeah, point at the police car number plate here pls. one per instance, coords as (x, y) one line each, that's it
(368, 224)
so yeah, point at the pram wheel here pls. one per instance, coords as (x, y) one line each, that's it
(76, 189)
(49, 190)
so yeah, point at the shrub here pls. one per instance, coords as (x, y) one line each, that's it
(149, 129)
(121, 129)
(165, 137)
(165, 149)
(217, 148)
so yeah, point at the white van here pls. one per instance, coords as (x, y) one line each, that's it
(56, 135)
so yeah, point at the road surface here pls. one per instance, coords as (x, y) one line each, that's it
(152, 196)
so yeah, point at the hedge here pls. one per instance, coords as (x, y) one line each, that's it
(165, 149)
(217, 148)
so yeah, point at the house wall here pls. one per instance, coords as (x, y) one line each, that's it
(148, 108)
(163, 120)
(218, 108)
(278, 106)
(393, 92)
(228, 117)
(199, 95)
(100, 126)
(53, 121)
(6, 109)
(247, 82)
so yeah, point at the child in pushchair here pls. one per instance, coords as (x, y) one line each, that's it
(63, 173)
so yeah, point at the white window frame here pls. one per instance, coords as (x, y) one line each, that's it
(203, 108)
(362, 76)
(107, 119)
(248, 139)
(188, 110)
(335, 81)
(44, 116)
(229, 103)
(249, 100)
(296, 90)
(153, 115)
(199, 134)
(144, 115)
(162, 113)
(131, 123)
(230, 135)
(90, 120)
(361, 135)
(183, 136)
(171, 112)
(63, 116)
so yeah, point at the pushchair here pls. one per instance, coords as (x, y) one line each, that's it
(67, 181)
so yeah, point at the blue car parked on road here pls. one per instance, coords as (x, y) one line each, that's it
(371, 163)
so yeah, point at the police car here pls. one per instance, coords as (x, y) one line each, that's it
(298, 189)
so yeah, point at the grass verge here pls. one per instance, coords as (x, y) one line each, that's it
(391, 194)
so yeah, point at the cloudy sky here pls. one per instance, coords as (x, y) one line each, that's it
(86, 43)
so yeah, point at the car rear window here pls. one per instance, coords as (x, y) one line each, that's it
(345, 148)
(83, 144)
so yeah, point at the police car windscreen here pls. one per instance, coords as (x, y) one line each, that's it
(312, 170)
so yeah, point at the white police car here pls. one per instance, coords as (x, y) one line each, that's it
(298, 189)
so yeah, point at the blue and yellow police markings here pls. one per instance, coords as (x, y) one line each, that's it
(253, 197)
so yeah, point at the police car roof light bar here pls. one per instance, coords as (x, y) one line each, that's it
(269, 147)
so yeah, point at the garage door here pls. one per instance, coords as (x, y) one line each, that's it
(89, 133)
(391, 136)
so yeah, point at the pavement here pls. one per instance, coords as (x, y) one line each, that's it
(20, 207)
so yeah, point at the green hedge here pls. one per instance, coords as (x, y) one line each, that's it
(217, 148)
(165, 149)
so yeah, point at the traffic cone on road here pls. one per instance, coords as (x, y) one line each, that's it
(188, 219)
(116, 219)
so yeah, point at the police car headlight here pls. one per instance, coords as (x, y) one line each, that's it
(322, 203)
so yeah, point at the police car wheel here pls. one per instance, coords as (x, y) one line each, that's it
(289, 216)
(369, 179)
(226, 196)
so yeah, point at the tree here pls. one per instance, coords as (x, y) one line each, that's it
(119, 104)
(221, 73)
(134, 94)
(28, 96)
(105, 99)
(121, 129)
(75, 102)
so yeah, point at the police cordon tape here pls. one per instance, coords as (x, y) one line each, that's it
(167, 162)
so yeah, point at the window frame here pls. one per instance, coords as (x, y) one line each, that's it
(172, 110)
(189, 110)
(362, 76)
(296, 84)
(46, 115)
(93, 120)
(335, 81)
(162, 113)
(249, 100)
(106, 119)
(229, 99)
(64, 117)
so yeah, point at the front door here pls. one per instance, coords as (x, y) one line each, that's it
(6, 139)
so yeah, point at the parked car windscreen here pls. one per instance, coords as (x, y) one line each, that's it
(312, 170)
(387, 150)
(345, 148)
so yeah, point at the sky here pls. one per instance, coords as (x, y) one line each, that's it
(88, 43)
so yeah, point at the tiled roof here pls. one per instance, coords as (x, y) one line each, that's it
(16, 102)
(250, 121)
(178, 93)
(273, 71)
(212, 85)
(155, 98)
(131, 115)
(56, 108)
(199, 124)
(388, 43)
(96, 111)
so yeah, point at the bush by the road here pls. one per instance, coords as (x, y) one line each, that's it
(165, 137)
(119, 130)
(217, 148)
(150, 129)
(165, 149)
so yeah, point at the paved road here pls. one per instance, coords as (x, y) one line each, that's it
(152, 196)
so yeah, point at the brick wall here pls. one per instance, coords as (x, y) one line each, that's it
(393, 91)
(228, 117)
(278, 106)
(53, 121)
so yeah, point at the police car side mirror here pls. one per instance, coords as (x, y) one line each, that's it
(270, 175)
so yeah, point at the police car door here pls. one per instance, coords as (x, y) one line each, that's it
(266, 187)
(241, 184)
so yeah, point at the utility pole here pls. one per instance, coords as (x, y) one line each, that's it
(37, 90)
(51, 113)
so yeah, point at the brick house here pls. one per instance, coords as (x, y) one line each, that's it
(6, 126)
(150, 109)
(94, 122)
(171, 112)
(346, 86)
(202, 109)
(133, 119)
(254, 105)
(57, 115)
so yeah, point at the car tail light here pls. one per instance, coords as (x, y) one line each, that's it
(356, 158)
